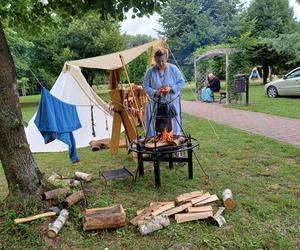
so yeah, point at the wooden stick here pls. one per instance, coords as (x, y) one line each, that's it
(34, 217)
(199, 209)
(200, 198)
(57, 224)
(73, 198)
(192, 216)
(208, 200)
(176, 210)
(55, 193)
(164, 208)
(188, 196)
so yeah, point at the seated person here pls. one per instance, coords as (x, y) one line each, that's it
(213, 85)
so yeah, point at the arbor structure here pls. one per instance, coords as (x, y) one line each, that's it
(21, 171)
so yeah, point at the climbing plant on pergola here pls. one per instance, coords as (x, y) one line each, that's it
(210, 54)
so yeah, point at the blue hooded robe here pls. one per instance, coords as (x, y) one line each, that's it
(56, 119)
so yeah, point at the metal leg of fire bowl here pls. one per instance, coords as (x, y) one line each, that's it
(140, 164)
(190, 161)
(156, 172)
(170, 161)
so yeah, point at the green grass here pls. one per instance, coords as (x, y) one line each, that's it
(262, 173)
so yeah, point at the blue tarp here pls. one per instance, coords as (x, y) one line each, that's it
(56, 119)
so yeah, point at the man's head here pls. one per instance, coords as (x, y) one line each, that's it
(161, 58)
(211, 76)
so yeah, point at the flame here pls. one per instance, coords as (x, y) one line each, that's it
(166, 136)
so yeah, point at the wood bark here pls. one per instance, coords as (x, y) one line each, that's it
(102, 218)
(21, 171)
(73, 198)
(55, 227)
(52, 194)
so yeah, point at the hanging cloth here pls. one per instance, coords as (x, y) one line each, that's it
(56, 119)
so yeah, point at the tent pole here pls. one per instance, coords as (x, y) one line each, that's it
(151, 56)
(131, 90)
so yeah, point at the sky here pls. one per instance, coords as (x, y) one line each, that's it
(149, 26)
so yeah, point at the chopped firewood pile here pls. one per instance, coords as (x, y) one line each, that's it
(162, 140)
(197, 205)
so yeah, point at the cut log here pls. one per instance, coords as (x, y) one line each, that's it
(176, 210)
(83, 176)
(73, 198)
(199, 209)
(188, 196)
(227, 198)
(212, 198)
(192, 216)
(102, 218)
(55, 193)
(200, 198)
(164, 208)
(155, 223)
(57, 224)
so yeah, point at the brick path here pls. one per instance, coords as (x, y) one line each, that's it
(278, 128)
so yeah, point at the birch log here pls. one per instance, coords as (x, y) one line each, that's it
(227, 198)
(83, 176)
(155, 223)
(58, 223)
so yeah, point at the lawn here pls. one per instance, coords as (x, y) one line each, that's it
(262, 173)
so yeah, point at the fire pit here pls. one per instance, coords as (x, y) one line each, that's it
(156, 149)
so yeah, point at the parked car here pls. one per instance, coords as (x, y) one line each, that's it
(289, 85)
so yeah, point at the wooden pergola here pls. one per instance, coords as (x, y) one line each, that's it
(210, 55)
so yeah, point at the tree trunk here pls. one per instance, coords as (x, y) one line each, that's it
(21, 171)
(265, 72)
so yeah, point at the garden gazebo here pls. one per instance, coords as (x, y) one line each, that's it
(210, 55)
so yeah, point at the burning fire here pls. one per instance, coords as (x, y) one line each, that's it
(166, 136)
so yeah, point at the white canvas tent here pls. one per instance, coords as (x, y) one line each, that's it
(71, 87)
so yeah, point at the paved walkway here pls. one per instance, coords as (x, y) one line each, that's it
(278, 128)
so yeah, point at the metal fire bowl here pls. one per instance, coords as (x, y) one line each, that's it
(139, 146)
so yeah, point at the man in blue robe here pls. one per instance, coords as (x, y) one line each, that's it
(163, 81)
